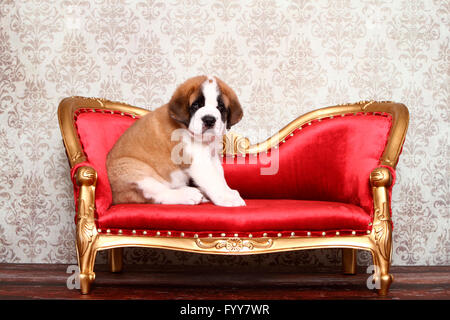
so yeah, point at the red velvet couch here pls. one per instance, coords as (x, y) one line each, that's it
(332, 172)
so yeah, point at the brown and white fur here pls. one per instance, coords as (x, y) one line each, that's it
(142, 167)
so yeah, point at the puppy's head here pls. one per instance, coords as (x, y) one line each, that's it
(206, 106)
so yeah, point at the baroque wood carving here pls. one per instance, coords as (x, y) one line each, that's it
(233, 244)
(380, 179)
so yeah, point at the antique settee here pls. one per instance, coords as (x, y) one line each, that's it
(332, 188)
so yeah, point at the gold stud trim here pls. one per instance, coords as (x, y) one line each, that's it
(211, 235)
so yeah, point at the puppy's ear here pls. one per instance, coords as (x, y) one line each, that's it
(179, 103)
(179, 106)
(235, 112)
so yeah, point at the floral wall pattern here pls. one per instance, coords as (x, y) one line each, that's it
(284, 58)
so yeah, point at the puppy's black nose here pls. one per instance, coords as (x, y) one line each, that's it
(209, 121)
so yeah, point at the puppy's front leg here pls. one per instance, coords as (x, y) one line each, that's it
(162, 193)
(207, 174)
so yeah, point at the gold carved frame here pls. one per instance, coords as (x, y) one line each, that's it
(379, 241)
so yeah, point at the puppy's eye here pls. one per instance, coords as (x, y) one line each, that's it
(194, 107)
(220, 106)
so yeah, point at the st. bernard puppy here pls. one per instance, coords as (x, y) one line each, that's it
(170, 156)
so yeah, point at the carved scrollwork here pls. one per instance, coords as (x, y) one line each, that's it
(382, 232)
(100, 101)
(366, 104)
(380, 178)
(86, 230)
(86, 176)
(235, 144)
(377, 175)
(234, 244)
(76, 156)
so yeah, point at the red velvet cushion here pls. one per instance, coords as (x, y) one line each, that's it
(257, 216)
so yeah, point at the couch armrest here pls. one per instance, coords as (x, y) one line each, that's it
(86, 179)
(381, 177)
(85, 176)
(381, 181)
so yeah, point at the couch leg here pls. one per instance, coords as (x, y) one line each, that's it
(349, 260)
(383, 278)
(87, 275)
(115, 257)
(86, 279)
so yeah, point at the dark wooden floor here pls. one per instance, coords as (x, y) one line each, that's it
(42, 281)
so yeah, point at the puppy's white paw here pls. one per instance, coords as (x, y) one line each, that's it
(228, 199)
(189, 195)
(205, 199)
(183, 195)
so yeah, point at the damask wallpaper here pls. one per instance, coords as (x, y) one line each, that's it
(284, 58)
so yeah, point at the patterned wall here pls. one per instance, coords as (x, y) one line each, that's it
(284, 58)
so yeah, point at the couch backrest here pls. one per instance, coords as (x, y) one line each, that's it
(327, 160)
(98, 131)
